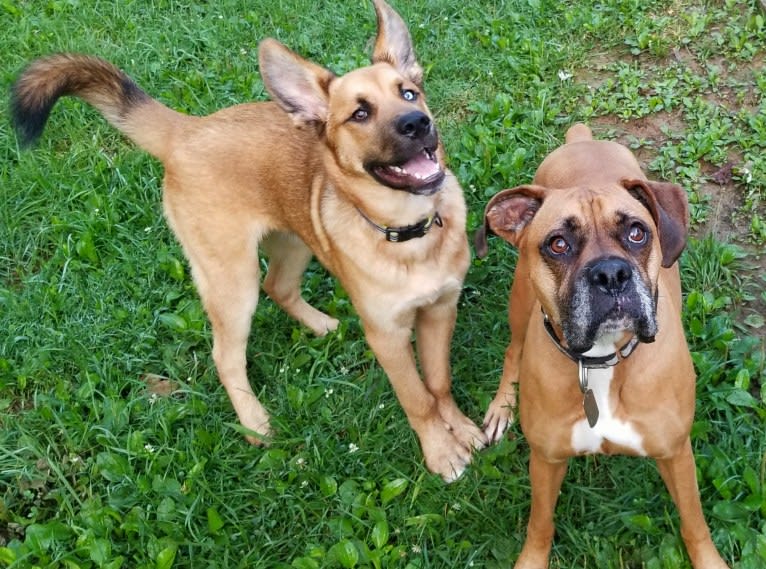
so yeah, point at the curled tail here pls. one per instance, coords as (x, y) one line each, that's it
(146, 121)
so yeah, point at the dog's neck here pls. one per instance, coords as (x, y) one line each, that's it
(399, 234)
(595, 361)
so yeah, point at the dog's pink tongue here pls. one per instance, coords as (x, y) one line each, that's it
(421, 166)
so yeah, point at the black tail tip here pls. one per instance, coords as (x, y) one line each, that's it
(27, 122)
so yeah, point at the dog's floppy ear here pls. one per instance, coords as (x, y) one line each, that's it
(297, 85)
(670, 209)
(507, 215)
(394, 44)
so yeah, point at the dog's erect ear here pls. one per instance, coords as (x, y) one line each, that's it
(507, 215)
(297, 85)
(394, 44)
(670, 209)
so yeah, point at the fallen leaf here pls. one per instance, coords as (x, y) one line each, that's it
(722, 176)
(159, 385)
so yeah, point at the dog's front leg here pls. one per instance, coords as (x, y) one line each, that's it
(434, 326)
(520, 302)
(679, 474)
(443, 453)
(545, 478)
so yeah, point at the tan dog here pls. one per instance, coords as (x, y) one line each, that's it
(349, 168)
(597, 279)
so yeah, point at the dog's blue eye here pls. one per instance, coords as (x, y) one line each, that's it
(360, 115)
(409, 95)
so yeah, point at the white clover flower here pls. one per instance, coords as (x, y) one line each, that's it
(564, 75)
(352, 448)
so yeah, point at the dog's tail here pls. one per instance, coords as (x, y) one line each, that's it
(578, 132)
(146, 121)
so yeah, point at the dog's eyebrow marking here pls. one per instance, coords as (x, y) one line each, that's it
(572, 224)
(364, 103)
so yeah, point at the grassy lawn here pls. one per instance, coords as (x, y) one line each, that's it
(118, 446)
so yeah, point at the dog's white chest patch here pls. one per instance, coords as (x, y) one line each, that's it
(587, 439)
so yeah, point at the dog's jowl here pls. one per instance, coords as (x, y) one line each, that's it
(597, 347)
(347, 168)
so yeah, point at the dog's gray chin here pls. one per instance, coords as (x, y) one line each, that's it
(583, 340)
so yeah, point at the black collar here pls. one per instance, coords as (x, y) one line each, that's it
(407, 232)
(589, 362)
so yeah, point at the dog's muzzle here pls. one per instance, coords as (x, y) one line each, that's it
(609, 297)
(414, 166)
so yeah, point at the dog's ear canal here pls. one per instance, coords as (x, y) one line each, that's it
(298, 86)
(669, 207)
(507, 215)
(394, 44)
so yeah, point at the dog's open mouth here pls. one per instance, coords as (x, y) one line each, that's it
(421, 174)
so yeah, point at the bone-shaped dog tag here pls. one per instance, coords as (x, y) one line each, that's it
(591, 407)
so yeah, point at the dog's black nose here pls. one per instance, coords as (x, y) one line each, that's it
(610, 275)
(415, 124)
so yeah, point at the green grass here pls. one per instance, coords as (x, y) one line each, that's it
(96, 470)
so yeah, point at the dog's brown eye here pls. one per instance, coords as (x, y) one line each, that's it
(409, 95)
(360, 115)
(558, 245)
(637, 234)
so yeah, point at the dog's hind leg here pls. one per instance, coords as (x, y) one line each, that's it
(288, 259)
(224, 260)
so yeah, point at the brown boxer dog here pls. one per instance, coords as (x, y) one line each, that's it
(348, 168)
(597, 343)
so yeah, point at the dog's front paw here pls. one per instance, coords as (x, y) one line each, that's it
(532, 560)
(444, 453)
(323, 324)
(462, 428)
(498, 418)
